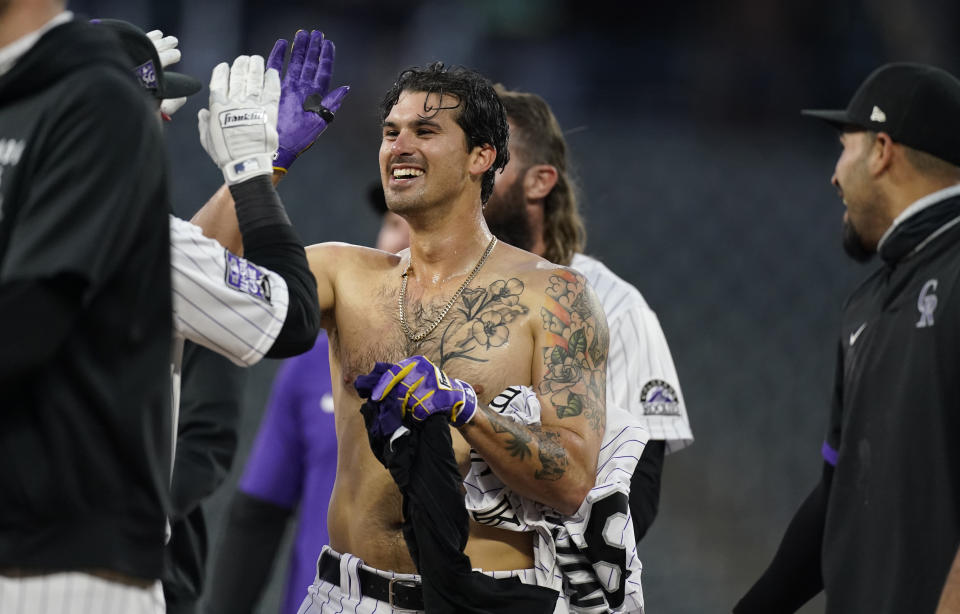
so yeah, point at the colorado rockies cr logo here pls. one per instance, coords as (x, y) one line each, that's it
(927, 303)
(659, 399)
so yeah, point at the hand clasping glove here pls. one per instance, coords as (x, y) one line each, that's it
(239, 131)
(381, 418)
(306, 107)
(423, 390)
(169, 55)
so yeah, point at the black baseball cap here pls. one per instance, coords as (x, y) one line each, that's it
(916, 104)
(146, 62)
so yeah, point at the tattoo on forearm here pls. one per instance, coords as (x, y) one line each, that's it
(553, 458)
(519, 437)
(518, 441)
(576, 351)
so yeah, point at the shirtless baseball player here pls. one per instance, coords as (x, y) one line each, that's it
(482, 311)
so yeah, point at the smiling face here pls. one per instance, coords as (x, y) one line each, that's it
(424, 158)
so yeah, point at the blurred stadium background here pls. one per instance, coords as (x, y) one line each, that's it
(700, 183)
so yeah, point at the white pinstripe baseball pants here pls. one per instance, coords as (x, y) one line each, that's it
(77, 593)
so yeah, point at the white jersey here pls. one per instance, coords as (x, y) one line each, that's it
(641, 377)
(222, 301)
(591, 555)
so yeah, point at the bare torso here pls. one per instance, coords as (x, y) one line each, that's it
(486, 339)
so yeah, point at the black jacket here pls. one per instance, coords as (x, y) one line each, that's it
(895, 425)
(891, 476)
(84, 236)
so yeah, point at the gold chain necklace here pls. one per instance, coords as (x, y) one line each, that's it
(453, 299)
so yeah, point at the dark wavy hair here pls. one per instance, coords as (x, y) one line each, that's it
(481, 115)
(538, 139)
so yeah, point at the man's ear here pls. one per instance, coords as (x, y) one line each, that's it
(539, 181)
(881, 154)
(483, 157)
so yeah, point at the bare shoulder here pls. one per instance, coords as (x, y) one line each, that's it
(342, 269)
(529, 268)
(546, 281)
(335, 258)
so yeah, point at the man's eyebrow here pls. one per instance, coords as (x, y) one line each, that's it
(428, 123)
(417, 123)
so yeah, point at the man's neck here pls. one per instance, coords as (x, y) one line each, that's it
(21, 19)
(448, 245)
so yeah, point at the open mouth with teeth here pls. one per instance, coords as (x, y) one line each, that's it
(402, 174)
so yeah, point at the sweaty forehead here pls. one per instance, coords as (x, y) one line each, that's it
(415, 106)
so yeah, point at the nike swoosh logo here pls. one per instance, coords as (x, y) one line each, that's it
(855, 335)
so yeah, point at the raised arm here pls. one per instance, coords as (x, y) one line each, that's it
(217, 218)
(272, 299)
(555, 463)
(306, 107)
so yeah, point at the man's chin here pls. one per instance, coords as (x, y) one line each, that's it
(853, 243)
(405, 204)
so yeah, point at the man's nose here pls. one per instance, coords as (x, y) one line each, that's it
(403, 144)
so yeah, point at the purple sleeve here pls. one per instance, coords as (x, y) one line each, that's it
(828, 453)
(831, 445)
(274, 471)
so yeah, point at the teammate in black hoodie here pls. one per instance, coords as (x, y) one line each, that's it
(85, 300)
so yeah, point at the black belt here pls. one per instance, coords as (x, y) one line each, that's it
(399, 593)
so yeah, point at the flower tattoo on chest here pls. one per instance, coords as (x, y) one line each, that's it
(480, 321)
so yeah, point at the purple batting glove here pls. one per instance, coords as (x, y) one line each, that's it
(423, 390)
(381, 417)
(366, 383)
(306, 107)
